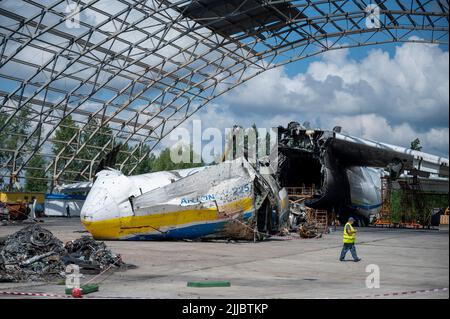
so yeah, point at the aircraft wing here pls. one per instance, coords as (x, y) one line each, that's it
(355, 151)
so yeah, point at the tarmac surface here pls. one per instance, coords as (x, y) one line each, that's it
(411, 263)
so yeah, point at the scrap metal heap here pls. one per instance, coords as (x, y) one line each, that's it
(308, 230)
(90, 255)
(34, 254)
(31, 254)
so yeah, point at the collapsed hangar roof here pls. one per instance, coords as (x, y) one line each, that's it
(235, 16)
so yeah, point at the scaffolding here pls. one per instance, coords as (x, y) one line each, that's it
(321, 219)
(384, 217)
(413, 200)
(298, 195)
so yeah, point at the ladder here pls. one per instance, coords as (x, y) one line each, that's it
(319, 218)
(384, 216)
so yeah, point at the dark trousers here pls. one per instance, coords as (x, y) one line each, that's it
(352, 249)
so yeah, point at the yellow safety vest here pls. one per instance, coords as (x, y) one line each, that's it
(349, 239)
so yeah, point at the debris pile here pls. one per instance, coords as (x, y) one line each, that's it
(309, 230)
(34, 254)
(90, 255)
(14, 211)
(297, 216)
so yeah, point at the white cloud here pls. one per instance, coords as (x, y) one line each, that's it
(392, 99)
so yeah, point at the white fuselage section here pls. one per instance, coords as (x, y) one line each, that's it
(365, 189)
(110, 195)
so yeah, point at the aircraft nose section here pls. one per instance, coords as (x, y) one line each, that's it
(98, 203)
(99, 214)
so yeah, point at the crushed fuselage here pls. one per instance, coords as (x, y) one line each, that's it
(228, 200)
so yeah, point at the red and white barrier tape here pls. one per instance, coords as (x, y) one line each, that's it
(13, 293)
(404, 293)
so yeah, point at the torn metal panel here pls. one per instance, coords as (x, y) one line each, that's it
(227, 200)
(197, 204)
(345, 170)
(219, 201)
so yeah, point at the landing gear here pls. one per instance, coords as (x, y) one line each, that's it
(360, 221)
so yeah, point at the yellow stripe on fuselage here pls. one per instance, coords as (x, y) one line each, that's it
(123, 227)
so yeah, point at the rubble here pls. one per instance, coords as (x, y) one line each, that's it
(14, 211)
(90, 255)
(30, 254)
(297, 216)
(35, 254)
(308, 230)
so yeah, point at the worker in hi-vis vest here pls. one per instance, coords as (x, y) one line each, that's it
(349, 241)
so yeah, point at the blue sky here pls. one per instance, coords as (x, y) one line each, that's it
(391, 93)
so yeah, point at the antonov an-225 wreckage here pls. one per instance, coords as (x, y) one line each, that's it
(235, 200)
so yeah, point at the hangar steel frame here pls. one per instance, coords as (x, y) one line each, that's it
(134, 70)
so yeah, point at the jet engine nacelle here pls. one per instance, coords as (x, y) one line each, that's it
(349, 191)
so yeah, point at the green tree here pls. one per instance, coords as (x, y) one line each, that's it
(147, 164)
(142, 168)
(416, 145)
(96, 142)
(165, 163)
(35, 178)
(94, 145)
(125, 150)
(151, 163)
(66, 130)
(11, 138)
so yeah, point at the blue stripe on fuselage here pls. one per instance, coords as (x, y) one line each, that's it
(189, 232)
(367, 207)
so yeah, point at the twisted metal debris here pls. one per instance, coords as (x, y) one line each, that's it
(35, 254)
(90, 255)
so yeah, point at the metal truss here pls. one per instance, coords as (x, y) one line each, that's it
(134, 70)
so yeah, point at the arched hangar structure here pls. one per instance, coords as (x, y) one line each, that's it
(127, 72)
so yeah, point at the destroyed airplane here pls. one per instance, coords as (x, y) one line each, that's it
(228, 200)
(346, 171)
(235, 200)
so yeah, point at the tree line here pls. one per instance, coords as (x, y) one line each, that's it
(64, 145)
